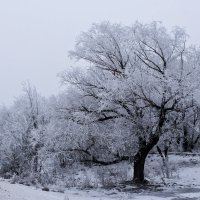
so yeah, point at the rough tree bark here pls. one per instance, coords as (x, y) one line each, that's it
(144, 149)
(140, 157)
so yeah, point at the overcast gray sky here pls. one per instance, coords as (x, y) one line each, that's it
(35, 35)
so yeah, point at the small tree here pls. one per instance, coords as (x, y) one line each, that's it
(22, 129)
(140, 73)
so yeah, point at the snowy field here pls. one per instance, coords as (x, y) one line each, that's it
(19, 192)
(184, 184)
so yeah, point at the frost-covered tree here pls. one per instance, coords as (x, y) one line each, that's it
(74, 141)
(22, 128)
(141, 74)
(189, 129)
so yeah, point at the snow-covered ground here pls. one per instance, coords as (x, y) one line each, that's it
(183, 185)
(10, 191)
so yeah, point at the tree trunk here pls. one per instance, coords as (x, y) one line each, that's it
(140, 157)
(185, 144)
(144, 149)
(35, 164)
(139, 161)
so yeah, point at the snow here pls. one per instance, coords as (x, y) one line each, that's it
(10, 191)
(188, 170)
(20, 192)
(189, 176)
(190, 195)
(152, 198)
(184, 185)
